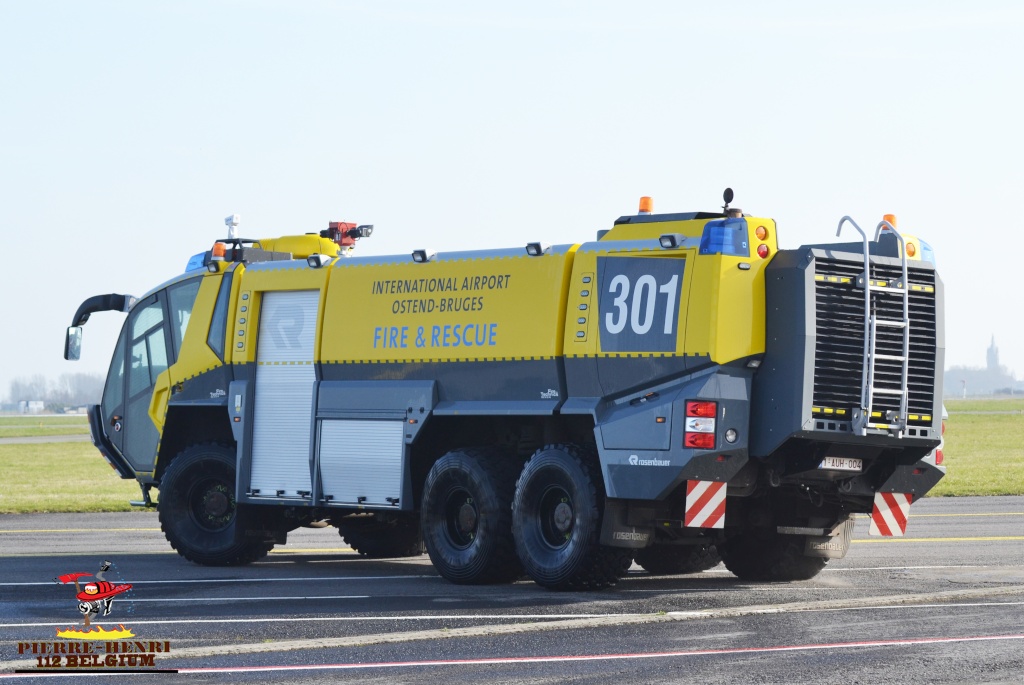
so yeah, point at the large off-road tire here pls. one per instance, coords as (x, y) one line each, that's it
(198, 512)
(381, 536)
(767, 555)
(467, 517)
(556, 521)
(668, 560)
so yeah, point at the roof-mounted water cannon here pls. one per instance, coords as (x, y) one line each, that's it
(346, 234)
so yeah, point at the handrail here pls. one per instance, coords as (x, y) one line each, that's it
(866, 380)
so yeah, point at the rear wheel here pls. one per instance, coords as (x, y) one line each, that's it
(380, 536)
(767, 555)
(467, 519)
(556, 521)
(667, 560)
(198, 512)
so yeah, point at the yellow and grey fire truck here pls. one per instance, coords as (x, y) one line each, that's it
(676, 392)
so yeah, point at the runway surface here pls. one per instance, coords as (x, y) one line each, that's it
(945, 604)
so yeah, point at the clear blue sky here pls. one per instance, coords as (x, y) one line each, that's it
(129, 130)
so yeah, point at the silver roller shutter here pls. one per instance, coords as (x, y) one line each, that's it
(361, 461)
(283, 408)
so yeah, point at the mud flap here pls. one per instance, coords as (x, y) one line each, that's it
(831, 546)
(616, 532)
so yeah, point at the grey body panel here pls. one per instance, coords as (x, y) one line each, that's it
(509, 383)
(784, 387)
(364, 430)
(644, 460)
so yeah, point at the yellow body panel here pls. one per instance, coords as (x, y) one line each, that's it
(250, 284)
(726, 319)
(501, 307)
(582, 325)
(721, 304)
(301, 246)
(158, 403)
(195, 356)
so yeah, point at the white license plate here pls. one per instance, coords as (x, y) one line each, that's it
(841, 464)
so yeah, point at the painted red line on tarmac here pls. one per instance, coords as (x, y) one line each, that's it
(541, 659)
(607, 657)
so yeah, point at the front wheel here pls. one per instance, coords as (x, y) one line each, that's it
(556, 522)
(198, 512)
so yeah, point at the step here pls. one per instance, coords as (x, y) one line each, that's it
(886, 391)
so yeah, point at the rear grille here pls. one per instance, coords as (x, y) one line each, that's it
(839, 352)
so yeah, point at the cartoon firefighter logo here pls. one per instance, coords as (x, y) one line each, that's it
(97, 596)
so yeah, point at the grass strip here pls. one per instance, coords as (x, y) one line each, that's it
(60, 477)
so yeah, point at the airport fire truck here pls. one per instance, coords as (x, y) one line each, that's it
(677, 392)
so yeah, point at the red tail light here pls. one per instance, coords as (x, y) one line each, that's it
(703, 409)
(938, 457)
(700, 429)
(700, 441)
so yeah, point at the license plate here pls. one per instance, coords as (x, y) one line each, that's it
(841, 464)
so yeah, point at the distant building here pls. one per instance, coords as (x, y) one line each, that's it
(994, 379)
(31, 407)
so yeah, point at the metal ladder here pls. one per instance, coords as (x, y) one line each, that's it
(895, 423)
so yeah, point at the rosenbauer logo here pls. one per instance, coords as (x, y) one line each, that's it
(634, 460)
(93, 648)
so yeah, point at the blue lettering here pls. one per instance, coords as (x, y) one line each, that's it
(481, 335)
(376, 336)
(446, 336)
(465, 334)
(405, 336)
(435, 331)
(394, 336)
(455, 332)
(492, 333)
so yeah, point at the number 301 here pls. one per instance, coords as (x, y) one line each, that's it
(640, 309)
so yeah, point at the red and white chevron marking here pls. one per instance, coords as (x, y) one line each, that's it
(705, 504)
(889, 516)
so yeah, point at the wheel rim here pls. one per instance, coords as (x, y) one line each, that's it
(461, 517)
(557, 517)
(211, 504)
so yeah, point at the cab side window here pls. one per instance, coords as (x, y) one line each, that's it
(113, 392)
(181, 299)
(148, 348)
(219, 321)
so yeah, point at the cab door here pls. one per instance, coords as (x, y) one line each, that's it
(141, 356)
(149, 343)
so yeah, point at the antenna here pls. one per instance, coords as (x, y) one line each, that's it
(727, 196)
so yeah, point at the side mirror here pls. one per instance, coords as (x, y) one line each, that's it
(73, 344)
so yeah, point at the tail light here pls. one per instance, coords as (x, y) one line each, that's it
(700, 425)
(708, 410)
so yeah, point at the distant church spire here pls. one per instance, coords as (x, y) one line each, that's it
(993, 356)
